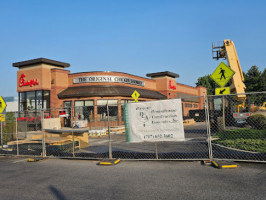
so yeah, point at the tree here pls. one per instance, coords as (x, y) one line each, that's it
(255, 82)
(9, 128)
(253, 79)
(206, 81)
(263, 80)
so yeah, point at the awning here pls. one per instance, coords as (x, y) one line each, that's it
(108, 91)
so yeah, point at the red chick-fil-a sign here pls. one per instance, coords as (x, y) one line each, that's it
(31, 82)
(171, 86)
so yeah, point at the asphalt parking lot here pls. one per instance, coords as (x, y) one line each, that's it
(81, 179)
(195, 134)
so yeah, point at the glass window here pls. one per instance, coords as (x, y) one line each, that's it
(102, 110)
(46, 99)
(101, 102)
(39, 100)
(22, 96)
(112, 102)
(84, 110)
(22, 106)
(34, 100)
(67, 104)
(89, 110)
(31, 100)
(188, 105)
(79, 110)
(89, 103)
(79, 103)
(22, 101)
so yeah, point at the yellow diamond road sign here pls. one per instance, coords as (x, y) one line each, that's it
(2, 117)
(222, 74)
(222, 91)
(2, 105)
(135, 96)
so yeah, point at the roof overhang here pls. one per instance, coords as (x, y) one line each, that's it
(108, 91)
(41, 61)
(162, 74)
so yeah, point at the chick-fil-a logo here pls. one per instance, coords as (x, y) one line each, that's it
(31, 82)
(171, 86)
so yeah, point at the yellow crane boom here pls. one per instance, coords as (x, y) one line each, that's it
(227, 50)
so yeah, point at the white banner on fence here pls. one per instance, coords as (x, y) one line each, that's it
(154, 121)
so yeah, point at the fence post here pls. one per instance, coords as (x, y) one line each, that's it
(73, 144)
(43, 135)
(208, 126)
(156, 150)
(17, 133)
(109, 134)
(1, 133)
(26, 128)
(223, 114)
(73, 124)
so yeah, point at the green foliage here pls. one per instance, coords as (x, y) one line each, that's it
(248, 144)
(242, 133)
(207, 82)
(10, 117)
(9, 127)
(257, 121)
(252, 79)
(255, 81)
(263, 80)
(243, 138)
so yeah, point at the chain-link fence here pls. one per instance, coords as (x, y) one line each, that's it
(223, 127)
(9, 135)
(238, 126)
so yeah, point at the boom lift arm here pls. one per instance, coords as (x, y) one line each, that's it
(227, 50)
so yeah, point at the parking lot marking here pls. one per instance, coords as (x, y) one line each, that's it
(17, 161)
(224, 164)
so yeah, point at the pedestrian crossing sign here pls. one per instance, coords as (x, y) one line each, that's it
(222, 74)
(222, 91)
(2, 105)
(135, 96)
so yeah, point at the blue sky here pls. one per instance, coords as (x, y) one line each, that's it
(132, 36)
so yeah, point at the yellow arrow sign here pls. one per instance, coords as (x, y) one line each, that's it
(2, 105)
(222, 91)
(2, 117)
(135, 96)
(222, 74)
